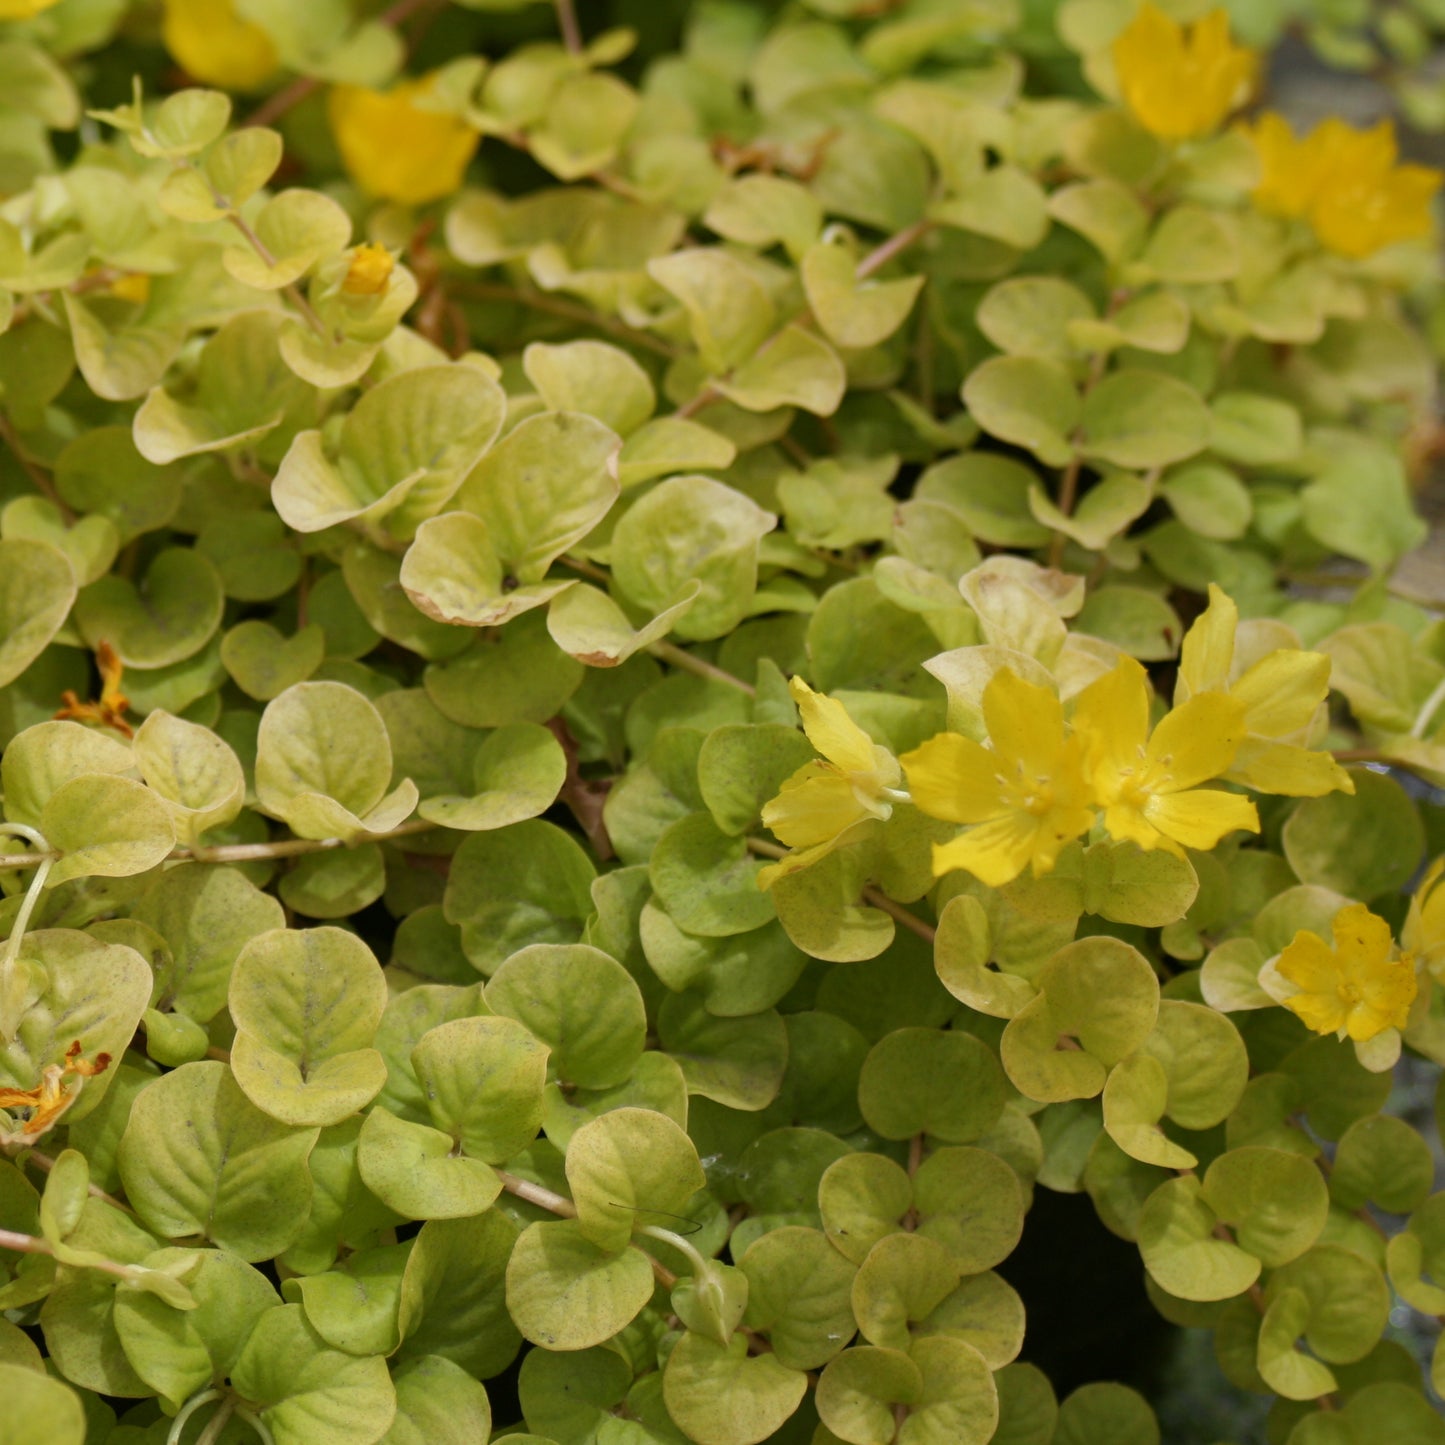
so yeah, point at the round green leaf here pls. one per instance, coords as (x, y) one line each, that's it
(1137, 418)
(1180, 1250)
(565, 1293)
(629, 1168)
(167, 618)
(417, 1171)
(306, 1004)
(482, 1079)
(438, 1403)
(917, 1081)
(310, 1394)
(1029, 401)
(105, 825)
(36, 594)
(708, 881)
(581, 1003)
(1360, 845)
(800, 1295)
(232, 1174)
(40, 1410)
(685, 530)
(720, 1395)
(1275, 1201)
(526, 884)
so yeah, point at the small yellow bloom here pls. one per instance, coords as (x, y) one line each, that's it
(24, 9)
(1292, 170)
(134, 286)
(1357, 988)
(1347, 183)
(1424, 932)
(214, 45)
(1025, 793)
(854, 782)
(395, 150)
(1148, 785)
(1182, 81)
(1281, 692)
(369, 271)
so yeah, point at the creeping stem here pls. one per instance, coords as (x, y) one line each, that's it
(12, 981)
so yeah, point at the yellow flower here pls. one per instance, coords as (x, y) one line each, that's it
(24, 9)
(1025, 794)
(1369, 201)
(1346, 182)
(1357, 988)
(214, 45)
(1181, 81)
(1424, 931)
(854, 782)
(1291, 170)
(134, 286)
(369, 271)
(1148, 785)
(395, 150)
(1281, 692)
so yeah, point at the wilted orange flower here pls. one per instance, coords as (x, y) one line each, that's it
(110, 711)
(393, 148)
(49, 1099)
(1181, 81)
(1346, 182)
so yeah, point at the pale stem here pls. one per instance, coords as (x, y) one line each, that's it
(680, 657)
(256, 1423)
(1426, 713)
(217, 1422)
(45, 1163)
(196, 1402)
(537, 1194)
(11, 982)
(567, 24)
(683, 1246)
(37, 474)
(264, 252)
(881, 255)
(243, 852)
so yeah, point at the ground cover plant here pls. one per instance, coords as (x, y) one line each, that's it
(659, 663)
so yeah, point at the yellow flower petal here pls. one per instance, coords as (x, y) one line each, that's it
(394, 149)
(1208, 647)
(816, 803)
(369, 271)
(954, 778)
(830, 729)
(1292, 170)
(1200, 817)
(1028, 719)
(1181, 81)
(216, 46)
(1356, 985)
(1282, 692)
(1195, 742)
(1111, 717)
(995, 853)
(1289, 771)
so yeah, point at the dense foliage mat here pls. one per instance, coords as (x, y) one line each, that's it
(649, 674)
